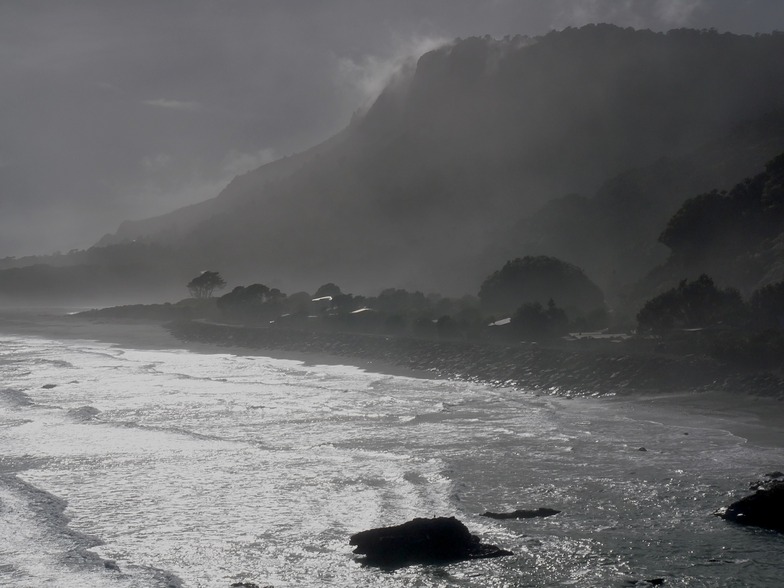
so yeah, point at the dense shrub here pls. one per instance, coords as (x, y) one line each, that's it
(539, 279)
(767, 306)
(533, 322)
(692, 304)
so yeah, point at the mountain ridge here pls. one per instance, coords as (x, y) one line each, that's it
(479, 134)
(424, 189)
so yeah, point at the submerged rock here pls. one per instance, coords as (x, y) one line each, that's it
(425, 541)
(522, 514)
(83, 413)
(764, 508)
(49, 386)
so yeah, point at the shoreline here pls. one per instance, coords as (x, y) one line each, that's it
(566, 371)
(643, 381)
(556, 370)
(153, 335)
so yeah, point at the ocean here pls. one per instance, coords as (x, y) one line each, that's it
(149, 468)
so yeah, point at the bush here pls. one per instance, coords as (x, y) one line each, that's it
(692, 305)
(538, 279)
(533, 322)
(767, 306)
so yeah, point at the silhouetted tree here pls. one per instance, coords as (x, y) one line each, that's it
(203, 285)
(718, 224)
(328, 289)
(343, 303)
(243, 299)
(533, 322)
(299, 303)
(399, 301)
(538, 279)
(257, 292)
(767, 306)
(691, 305)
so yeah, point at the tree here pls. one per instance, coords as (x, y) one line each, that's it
(247, 303)
(328, 289)
(539, 279)
(203, 285)
(533, 322)
(691, 305)
(767, 306)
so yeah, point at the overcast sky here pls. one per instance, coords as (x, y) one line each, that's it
(124, 109)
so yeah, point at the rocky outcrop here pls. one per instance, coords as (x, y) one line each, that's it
(764, 508)
(422, 541)
(522, 514)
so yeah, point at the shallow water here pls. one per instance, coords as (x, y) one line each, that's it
(202, 470)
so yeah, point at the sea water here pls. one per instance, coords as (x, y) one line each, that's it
(146, 468)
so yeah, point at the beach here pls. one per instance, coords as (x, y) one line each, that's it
(753, 403)
(138, 459)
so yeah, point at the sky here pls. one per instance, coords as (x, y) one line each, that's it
(113, 110)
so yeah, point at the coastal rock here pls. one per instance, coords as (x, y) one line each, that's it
(764, 508)
(49, 386)
(83, 413)
(522, 514)
(422, 541)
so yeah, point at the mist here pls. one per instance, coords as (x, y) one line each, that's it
(314, 292)
(118, 111)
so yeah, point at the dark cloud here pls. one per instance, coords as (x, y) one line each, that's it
(113, 110)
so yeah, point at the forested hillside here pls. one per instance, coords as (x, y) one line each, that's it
(735, 236)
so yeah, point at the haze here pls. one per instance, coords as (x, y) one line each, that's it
(115, 111)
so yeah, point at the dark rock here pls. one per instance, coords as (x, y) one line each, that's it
(49, 386)
(642, 449)
(110, 564)
(426, 541)
(522, 514)
(650, 582)
(776, 474)
(764, 508)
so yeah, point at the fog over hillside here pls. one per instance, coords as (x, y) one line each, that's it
(121, 111)
(427, 189)
(384, 147)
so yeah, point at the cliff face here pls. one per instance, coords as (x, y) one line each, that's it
(429, 188)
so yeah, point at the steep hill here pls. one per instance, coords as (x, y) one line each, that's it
(613, 235)
(425, 189)
(475, 137)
